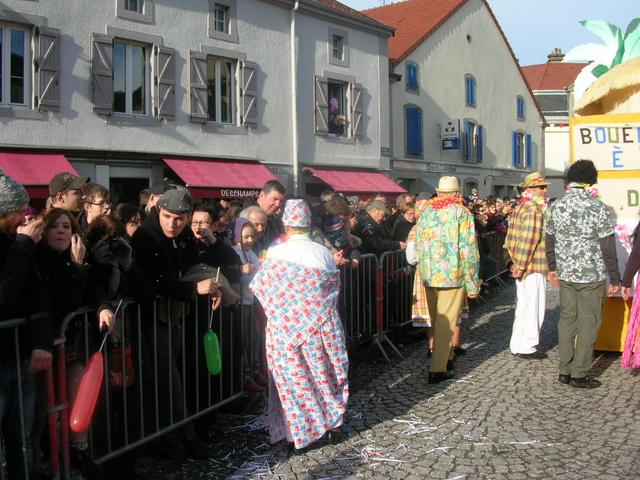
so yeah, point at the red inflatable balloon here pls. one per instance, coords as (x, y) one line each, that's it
(88, 393)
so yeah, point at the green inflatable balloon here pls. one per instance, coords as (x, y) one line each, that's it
(212, 352)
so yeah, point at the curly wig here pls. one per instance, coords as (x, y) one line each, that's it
(582, 171)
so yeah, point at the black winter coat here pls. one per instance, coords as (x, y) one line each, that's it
(164, 260)
(221, 254)
(22, 294)
(374, 238)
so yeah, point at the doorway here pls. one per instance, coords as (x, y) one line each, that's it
(127, 190)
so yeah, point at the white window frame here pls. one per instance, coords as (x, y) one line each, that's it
(231, 20)
(139, 6)
(473, 145)
(344, 35)
(5, 95)
(224, 10)
(144, 14)
(129, 77)
(235, 93)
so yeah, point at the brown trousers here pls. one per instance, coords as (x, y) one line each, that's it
(445, 305)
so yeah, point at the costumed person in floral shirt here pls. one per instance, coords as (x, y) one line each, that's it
(581, 251)
(298, 286)
(448, 262)
(525, 244)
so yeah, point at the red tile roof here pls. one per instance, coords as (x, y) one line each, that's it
(414, 21)
(341, 7)
(552, 76)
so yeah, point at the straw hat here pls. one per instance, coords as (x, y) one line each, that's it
(448, 185)
(534, 179)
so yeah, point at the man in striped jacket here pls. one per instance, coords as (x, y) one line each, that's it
(525, 244)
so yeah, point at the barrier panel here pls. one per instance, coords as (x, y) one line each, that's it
(357, 303)
(155, 376)
(493, 257)
(18, 398)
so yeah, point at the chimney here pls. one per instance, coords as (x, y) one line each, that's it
(556, 56)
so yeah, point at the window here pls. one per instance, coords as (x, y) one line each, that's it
(522, 150)
(470, 90)
(412, 78)
(413, 129)
(519, 108)
(337, 119)
(14, 65)
(133, 5)
(221, 89)
(222, 24)
(472, 142)
(338, 47)
(136, 10)
(130, 78)
(221, 19)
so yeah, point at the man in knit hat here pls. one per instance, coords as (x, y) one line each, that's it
(298, 286)
(525, 244)
(21, 296)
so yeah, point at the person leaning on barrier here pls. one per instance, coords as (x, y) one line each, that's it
(165, 248)
(372, 232)
(22, 295)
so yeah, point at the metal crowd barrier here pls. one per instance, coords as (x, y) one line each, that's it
(155, 375)
(25, 470)
(494, 263)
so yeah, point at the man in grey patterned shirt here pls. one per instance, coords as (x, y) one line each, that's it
(581, 251)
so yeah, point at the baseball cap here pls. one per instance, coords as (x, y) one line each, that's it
(66, 181)
(176, 201)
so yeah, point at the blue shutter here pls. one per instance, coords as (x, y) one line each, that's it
(414, 137)
(479, 143)
(529, 152)
(473, 91)
(466, 151)
(467, 92)
(514, 148)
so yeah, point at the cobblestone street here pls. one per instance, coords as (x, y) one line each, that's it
(502, 417)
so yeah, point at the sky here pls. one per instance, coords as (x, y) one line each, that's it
(535, 27)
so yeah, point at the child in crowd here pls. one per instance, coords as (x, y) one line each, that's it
(337, 227)
(244, 237)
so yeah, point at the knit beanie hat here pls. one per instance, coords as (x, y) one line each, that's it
(12, 195)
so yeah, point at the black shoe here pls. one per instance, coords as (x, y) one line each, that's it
(428, 353)
(459, 350)
(196, 448)
(335, 436)
(81, 459)
(584, 382)
(564, 379)
(437, 377)
(450, 365)
(532, 356)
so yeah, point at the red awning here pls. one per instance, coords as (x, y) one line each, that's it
(214, 178)
(355, 182)
(34, 169)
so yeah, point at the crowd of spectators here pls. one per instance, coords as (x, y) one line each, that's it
(83, 250)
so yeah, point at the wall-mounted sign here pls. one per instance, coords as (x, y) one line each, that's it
(451, 144)
(440, 168)
(450, 129)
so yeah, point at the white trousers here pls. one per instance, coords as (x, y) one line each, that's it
(529, 314)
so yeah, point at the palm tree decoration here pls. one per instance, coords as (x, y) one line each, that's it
(616, 49)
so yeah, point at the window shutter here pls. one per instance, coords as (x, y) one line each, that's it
(472, 83)
(479, 143)
(249, 94)
(102, 74)
(47, 68)
(467, 142)
(514, 148)
(529, 152)
(198, 87)
(322, 106)
(357, 121)
(165, 83)
(414, 141)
